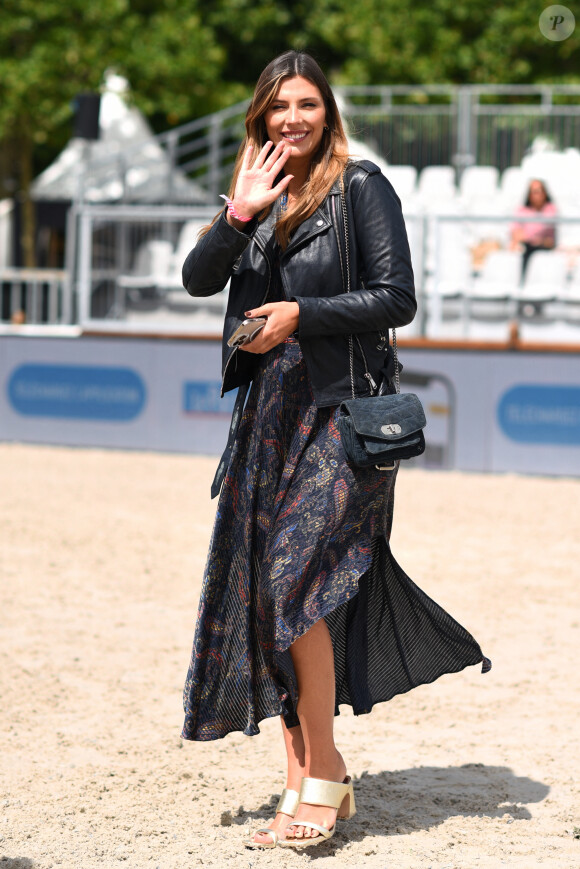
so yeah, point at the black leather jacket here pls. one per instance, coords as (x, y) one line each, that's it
(311, 270)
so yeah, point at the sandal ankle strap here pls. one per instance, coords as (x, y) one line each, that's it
(288, 802)
(319, 792)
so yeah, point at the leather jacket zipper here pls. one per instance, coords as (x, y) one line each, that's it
(372, 385)
(235, 349)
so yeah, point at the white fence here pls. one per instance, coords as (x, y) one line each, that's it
(128, 275)
(36, 296)
(466, 298)
(418, 125)
(126, 261)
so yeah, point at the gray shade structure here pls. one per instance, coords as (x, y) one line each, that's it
(126, 164)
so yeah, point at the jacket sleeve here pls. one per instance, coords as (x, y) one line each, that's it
(209, 265)
(378, 231)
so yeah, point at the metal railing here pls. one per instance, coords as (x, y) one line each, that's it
(417, 125)
(126, 276)
(35, 296)
(128, 270)
(459, 296)
(462, 125)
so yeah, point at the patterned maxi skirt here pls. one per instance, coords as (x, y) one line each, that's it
(301, 535)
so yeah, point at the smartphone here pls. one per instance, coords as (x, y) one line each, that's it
(247, 331)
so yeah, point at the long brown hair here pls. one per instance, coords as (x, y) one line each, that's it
(330, 159)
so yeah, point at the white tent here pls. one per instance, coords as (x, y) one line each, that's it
(127, 163)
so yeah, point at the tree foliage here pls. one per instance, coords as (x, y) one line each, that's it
(184, 58)
(397, 41)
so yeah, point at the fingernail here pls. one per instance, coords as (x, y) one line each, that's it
(247, 313)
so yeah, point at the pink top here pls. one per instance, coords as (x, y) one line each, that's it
(536, 233)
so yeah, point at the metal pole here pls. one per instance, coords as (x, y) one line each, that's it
(171, 164)
(84, 276)
(214, 156)
(70, 264)
(423, 272)
(466, 145)
(436, 302)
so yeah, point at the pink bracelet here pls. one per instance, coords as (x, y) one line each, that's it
(233, 211)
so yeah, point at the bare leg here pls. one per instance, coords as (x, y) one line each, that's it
(294, 743)
(313, 661)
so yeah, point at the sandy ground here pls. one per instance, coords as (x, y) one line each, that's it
(101, 560)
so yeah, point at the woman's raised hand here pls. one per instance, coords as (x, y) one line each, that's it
(254, 187)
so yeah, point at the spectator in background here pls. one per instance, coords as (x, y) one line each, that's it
(532, 236)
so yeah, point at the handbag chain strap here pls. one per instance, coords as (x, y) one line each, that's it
(348, 289)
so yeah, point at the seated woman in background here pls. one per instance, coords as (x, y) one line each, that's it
(530, 237)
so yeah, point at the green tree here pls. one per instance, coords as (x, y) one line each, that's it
(395, 41)
(440, 41)
(185, 58)
(50, 51)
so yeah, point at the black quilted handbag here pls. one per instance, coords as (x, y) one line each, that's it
(379, 429)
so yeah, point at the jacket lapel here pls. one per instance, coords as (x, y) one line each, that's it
(315, 224)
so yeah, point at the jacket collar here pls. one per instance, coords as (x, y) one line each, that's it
(318, 222)
(315, 224)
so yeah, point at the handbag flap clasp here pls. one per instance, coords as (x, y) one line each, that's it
(385, 417)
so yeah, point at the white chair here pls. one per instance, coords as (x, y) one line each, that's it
(449, 258)
(545, 278)
(500, 276)
(152, 262)
(175, 296)
(570, 297)
(447, 289)
(185, 243)
(180, 302)
(414, 227)
(404, 180)
(436, 185)
(136, 291)
(454, 278)
(478, 182)
(513, 188)
(450, 278)
(486, 230)
(362, 151)
(560, 172)
(447, 234)
(568, 234)
(492, 293)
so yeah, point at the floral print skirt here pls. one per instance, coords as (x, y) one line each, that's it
(301, 535)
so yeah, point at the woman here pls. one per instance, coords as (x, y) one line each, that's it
(533, 236)
(303, 606)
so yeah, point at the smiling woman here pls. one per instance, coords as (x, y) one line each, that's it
(295, 133)
(303, 606)
(297, 117)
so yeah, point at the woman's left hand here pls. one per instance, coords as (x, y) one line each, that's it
(282, 322)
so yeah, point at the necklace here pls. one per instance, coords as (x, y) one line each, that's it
(284, 200)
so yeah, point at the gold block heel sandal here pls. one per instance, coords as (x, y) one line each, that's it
(318, 792)
(287, 805)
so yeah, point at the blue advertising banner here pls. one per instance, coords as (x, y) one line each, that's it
(486, 411)
(76, 392)
(541, 414)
